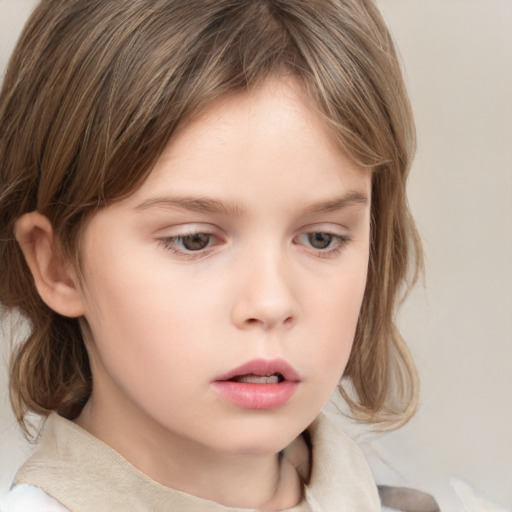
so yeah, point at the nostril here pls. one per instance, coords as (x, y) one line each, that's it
(288, 321)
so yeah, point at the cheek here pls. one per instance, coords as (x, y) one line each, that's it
(334, 314)
(147, 323)
(144, 319)
(142, 343)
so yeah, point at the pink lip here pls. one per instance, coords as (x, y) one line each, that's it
(263, 367)
(258, 396)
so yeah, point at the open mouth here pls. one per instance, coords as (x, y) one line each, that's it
(251, 378)
(260, 371)
(259, 384)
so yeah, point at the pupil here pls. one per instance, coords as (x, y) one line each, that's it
(320, 240)
(196, 242)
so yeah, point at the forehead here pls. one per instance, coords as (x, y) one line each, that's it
(264, 135)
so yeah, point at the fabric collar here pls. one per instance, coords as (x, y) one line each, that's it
(86, 475)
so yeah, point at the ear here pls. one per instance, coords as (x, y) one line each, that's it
(55, 281)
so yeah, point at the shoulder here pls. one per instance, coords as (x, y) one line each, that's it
(24, 498)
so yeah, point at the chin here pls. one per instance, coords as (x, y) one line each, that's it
(262, 435)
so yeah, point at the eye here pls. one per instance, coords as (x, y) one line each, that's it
(323, 243)
(195, 242)
(320, 240)
(189, 244)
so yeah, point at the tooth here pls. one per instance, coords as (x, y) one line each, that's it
(258, 379)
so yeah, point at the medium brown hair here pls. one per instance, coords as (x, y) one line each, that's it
(94, 91)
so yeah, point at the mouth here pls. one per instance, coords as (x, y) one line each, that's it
(262, 371)
(251, 378)
(259, 384)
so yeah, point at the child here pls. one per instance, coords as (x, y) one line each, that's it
(204, 221)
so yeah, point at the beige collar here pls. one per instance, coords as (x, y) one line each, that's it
(86, 475)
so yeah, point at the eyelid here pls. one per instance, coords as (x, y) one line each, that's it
(340, 239)
(168, 241)
(188, 229)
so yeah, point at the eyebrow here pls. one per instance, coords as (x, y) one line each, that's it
(329, 205)
(214, 206)
(193, 204)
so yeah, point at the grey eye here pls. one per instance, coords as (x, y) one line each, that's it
(320, 240)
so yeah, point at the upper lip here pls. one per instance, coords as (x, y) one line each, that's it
(263, 367)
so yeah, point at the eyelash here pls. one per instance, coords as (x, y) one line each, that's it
(170, 243)
(338, 242)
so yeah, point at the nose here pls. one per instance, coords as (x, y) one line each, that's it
(265, 296)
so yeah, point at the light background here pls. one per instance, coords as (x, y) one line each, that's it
(458, 60)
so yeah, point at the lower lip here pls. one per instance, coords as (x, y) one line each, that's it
(256, 396)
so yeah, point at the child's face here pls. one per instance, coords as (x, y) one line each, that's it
(213, 263)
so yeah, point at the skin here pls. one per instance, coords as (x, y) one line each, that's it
(162, 321)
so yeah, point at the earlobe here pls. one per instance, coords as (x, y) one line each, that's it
(56, 283)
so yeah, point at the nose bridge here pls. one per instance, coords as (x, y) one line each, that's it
(265, 296)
